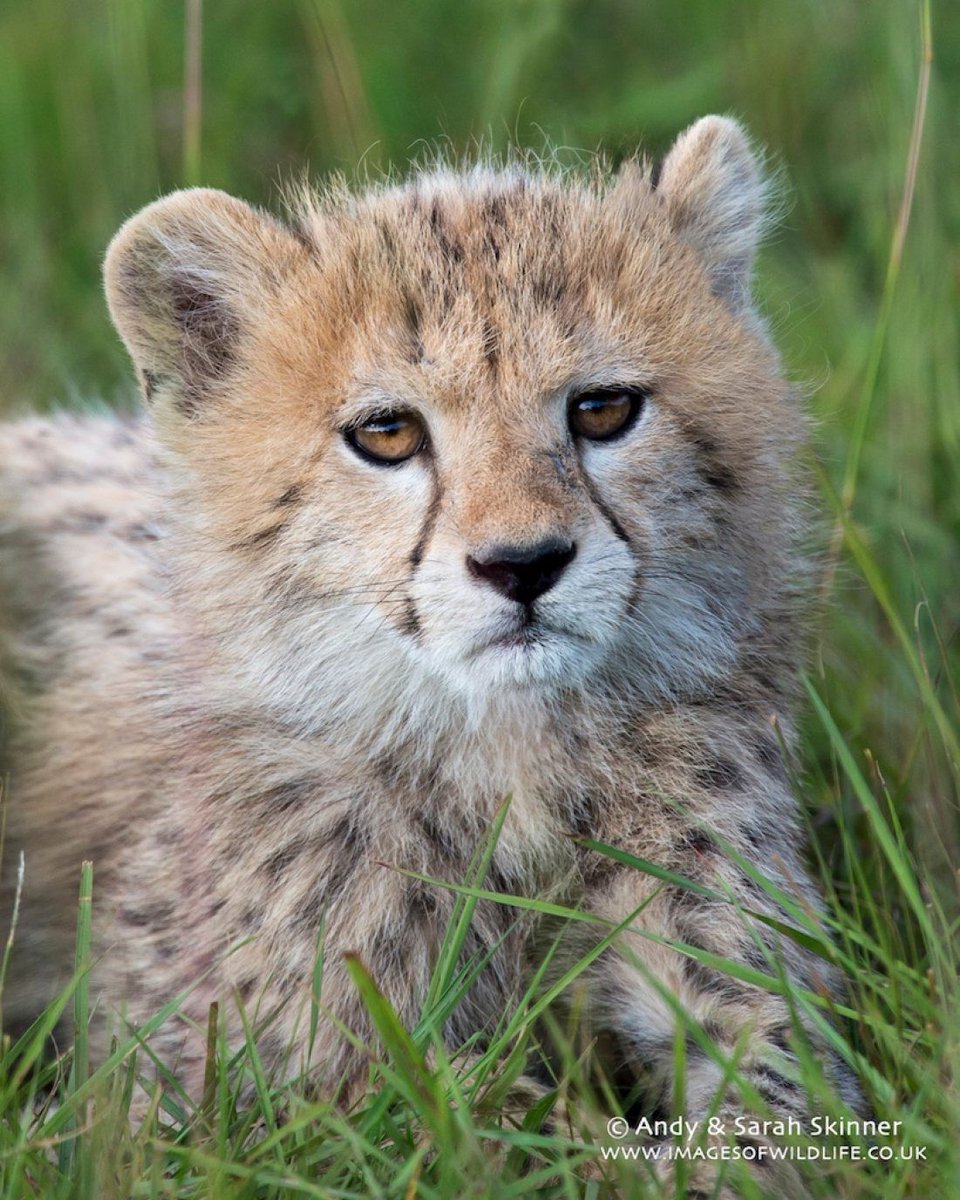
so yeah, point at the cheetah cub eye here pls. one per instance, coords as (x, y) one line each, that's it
(605, 413)
(388, 439)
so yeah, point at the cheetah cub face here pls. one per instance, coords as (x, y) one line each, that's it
(488, 432)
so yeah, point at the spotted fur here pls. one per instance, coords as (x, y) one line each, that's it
(248, 668)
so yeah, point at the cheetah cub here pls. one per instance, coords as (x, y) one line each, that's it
(475, 486)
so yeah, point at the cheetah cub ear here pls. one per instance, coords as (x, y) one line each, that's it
(712, 183)
(183, 279)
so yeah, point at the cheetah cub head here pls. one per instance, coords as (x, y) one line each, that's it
(493, 430)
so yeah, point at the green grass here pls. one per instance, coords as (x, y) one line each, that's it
(860, 281)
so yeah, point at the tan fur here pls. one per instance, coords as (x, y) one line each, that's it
(252, 667)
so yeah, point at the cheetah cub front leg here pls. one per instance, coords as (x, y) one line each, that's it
(735, 807)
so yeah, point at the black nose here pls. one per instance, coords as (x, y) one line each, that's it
(523, 573)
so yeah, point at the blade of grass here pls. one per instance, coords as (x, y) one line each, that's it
(901, 869)
(411, 1075)
(192, 92)
(75, 1155)
(894, 261)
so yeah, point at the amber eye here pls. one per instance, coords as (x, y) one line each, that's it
(605, 412)
(388, 438)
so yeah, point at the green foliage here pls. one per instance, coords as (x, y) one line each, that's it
(93, 123)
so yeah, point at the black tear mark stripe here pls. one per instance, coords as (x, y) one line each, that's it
(426, 530)
(605, 511)
(599, 503)
(410, 621)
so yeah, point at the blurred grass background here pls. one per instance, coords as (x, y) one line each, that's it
(97, 117)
